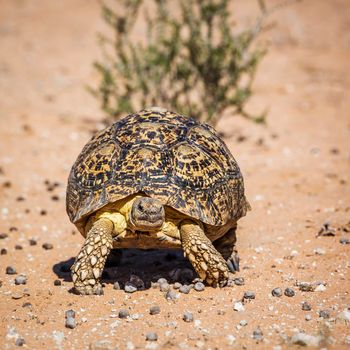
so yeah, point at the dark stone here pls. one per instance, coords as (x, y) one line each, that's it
(10, 270)
(154, 310)
(47, 246)
(289, 292)
(276, 292)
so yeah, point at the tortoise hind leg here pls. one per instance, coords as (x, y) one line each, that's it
(226, 247)
(88, 265)
(206, 260)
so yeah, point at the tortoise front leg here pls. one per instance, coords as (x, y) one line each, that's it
(89, 263)
(206, 260)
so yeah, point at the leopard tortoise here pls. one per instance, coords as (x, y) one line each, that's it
(156, 179)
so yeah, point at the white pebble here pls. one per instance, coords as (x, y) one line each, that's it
(238, 306)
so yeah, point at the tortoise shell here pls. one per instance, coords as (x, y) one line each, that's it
(164, 155)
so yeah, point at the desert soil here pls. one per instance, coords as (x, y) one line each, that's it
(296, 173)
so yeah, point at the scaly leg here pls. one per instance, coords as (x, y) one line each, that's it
(88, 265)
(206, 260)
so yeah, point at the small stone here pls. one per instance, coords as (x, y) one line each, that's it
(308, 317)
(185, 289)
(324, 314)
(320, 288)
(130, 288)
(18, 247)
(154, 310)
(3, 235)
(102, 345)
(70, 323)
(171, 295)
(116, 286)
(20, 280)
(162, 280)
(10, 270)
(32, 242)
(20, 341)
(47, 246)
(137, 282)
(199, 286)
(27, 304)
(164, 287)
(187, 316)
(319, 251)
(57, 282)
(70, 313)
(249, 295)
(151, 336)
(221, 312)
(3, 251)
(231, 339)
(306, 339)
(289, 292)
(305, 306)
(344, 240)
(258, 334)
(243, 323)
(17, 295)
(276, 292)
(344, 316)
(177, 285)
(238, 281)
(123, 313)
(238, 306)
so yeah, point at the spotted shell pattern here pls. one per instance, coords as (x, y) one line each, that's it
(179, 161)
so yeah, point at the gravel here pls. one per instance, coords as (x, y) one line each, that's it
(344, 240)
(164, 287)
(123, 313)
(3, 251)
(20, 341)
(137, 282)
(258, 334)
(151, 336)
(20, 280)
(199, 286)
(10, 270)
(276, 292)
(177, 285)
(18, 247)
(187, 316)
(116, 286)
(249, 295)
(32, 242)
(162, 280)
(185, 289)
(238, 306)
(154, 310)
(3, 235)
(70, 323)
(130, 288)
(47, 246)
(289, 292)
(171, 295)
(70, 314)
(243, 323)
(238, 281)
(308, 317)
(305, 339)
(324, 314)
(305, 306)
(57, 283)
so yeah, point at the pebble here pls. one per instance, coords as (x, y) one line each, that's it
(243, 323)
(177, 285)
(3, 251)
(319, 251)
(238, 281)
(116, 286)
(306, 286)
(185, 289)
(123, 313)
(344, 240)
(151, 336)
(18, 247)
(238, 306)
(199, 286)
(164, 287)
(276, 292)
(17, 296)
(249, 295)
(20, 341)
(70, 323)
(130, 288)
(27, 304)
(162, 280)
(187, 316)
(10, 270)
(258, 334)
(305, 306)
(344, 316)
(57, 282)
(154, 310)
(171, 295)
(320, 288)
(289, 292)
(324, 314)
(32, 242)
(47, 246)
(70, 314)
(137, 282)
(20, 280)
(306, 339)
(3, 235)
(102, 345)
(308, 317)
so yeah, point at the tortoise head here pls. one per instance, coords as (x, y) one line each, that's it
(147, 214)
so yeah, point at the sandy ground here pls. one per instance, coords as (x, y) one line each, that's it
(296, 173)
